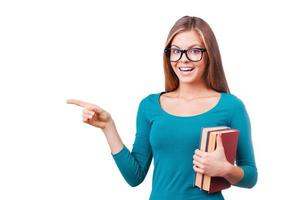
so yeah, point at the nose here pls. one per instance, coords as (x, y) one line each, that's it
(184, 58)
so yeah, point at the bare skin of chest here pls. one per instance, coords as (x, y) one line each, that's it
(182, 107)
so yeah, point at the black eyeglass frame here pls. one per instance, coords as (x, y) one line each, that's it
(167, 52)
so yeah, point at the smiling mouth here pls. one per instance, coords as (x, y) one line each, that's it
(186, 69)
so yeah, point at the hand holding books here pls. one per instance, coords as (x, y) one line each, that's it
(216, 155)
(211, 163)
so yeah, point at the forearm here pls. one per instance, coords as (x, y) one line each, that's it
(113, 138)
(132, 165)
(233, 174)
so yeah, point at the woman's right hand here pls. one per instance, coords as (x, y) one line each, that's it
(93, 114)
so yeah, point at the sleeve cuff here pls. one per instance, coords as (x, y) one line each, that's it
(250, 177)
(121, 153)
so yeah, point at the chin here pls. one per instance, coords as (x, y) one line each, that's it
(188, 81)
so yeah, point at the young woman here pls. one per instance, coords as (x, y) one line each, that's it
(169, 123)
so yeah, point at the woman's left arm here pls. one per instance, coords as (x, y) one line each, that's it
(233, 174)
(244, 173)
(245, 160)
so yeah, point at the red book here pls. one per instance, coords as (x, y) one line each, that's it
(229, 140)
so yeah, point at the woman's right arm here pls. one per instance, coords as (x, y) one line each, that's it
(132, 165)
(113, 138)
(98, 117)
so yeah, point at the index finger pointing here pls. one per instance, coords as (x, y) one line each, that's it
(78, 102)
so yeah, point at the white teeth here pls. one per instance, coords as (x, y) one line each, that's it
(186, 68)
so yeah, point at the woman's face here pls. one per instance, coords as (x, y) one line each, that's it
(186, 70)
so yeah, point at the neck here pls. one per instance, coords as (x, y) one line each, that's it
(190, 91)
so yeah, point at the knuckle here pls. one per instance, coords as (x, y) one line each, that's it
(200, 170)
(197, 158)
(89, 108)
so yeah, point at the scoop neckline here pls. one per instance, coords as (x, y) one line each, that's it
(188, 116)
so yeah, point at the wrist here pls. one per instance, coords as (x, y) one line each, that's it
(110, 126)
(228, 168)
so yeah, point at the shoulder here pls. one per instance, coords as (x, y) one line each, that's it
(150, 99)
(232, 101)
(149, 104)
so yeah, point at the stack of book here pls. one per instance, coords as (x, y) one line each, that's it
(208, 144)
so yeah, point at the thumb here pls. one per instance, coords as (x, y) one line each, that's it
(95, 109)
(219, 142)
(102, 113)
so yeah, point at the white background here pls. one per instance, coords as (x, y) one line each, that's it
(110, 53)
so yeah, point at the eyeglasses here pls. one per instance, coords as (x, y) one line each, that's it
(192, 54)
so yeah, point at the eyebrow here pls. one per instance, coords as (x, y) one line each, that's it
(189, 46)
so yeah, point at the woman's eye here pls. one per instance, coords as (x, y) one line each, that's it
(195, 51)
(175, 51)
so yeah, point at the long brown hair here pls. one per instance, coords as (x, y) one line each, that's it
(214, 75)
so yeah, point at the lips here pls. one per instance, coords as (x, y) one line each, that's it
(186, 69)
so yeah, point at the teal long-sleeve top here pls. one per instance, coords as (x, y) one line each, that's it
(171, 141)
